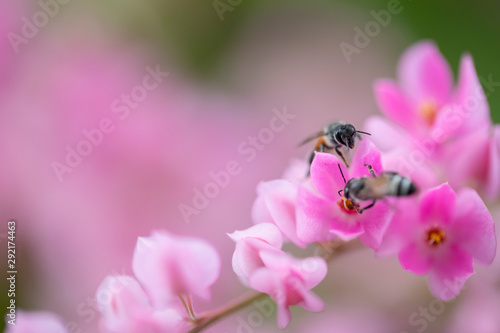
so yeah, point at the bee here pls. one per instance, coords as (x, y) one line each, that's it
(375, 188)
(334, 136)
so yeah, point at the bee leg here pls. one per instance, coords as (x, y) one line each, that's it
(340, 155)
(359, 136)
(311, 158)
(365, 208)
(340, 191)
(322, 147)
(371, 169)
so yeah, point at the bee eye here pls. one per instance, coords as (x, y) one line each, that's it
(358, 186)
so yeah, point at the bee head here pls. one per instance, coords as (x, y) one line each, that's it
(352, 187)
(348, 135)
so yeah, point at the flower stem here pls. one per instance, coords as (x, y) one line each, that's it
(330, 249)
(189, 307)
(208, 318)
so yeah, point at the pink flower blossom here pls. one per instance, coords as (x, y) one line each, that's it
(288, 281)
(126, 308)
(39, 322)
(259, 262)
(442, 238)
(328, 215)
(169, 266)
(250, 244)
(421, 101)
(276, 203)
(435, 122)
(476, 162)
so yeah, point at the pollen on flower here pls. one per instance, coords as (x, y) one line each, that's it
(428, 111)
(435, 236)
(347, 206)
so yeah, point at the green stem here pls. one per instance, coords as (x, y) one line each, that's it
(331, 250)
(208, 318)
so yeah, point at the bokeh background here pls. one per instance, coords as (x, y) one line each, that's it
(227, 73)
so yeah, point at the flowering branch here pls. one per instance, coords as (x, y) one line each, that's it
(208, 318)
(441, 230)
(330, 249)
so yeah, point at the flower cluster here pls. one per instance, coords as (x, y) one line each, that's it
(428, 123)
(168, 271)
(410, 190)
(438, 231)
(260, 263)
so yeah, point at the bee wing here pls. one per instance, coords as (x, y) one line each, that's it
(312, 137)
(378, 187)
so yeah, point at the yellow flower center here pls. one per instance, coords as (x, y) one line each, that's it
(428, 110)
(435, 236)
(348, 206)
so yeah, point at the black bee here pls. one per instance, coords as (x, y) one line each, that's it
(334, 136)
(375, 188)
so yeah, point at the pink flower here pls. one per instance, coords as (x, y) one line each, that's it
(169, 266)
(442, 238)
(250, 244)
(276, 203)
(436, 123)
(476, 162)
(259, 262)
(328, 216)
(421, 101)
(126, 308)
(39, 322)
(288, 281)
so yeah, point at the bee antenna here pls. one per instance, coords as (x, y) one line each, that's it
(342, 174)
(363, 132)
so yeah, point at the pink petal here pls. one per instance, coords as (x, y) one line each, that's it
(413, 259)
(346, 228)
(425, 74)
(472, 147)
(473, 227)
(366, 153)
(314, 214)
(260, 212)
(312, 302)
(169, 320)
(247, 256)
(266, 232)
(120, 296)
(269, 282)
(265, 281)
(375, 222)
(385, 134)
(421, 174)
(277, 261)
(326, 176)
(471, 99)
(200, 265)
(394, 103)
(168, 265)
(402, 229)
(450, 274)
(313, 270)
(279, 199)
(284, 316)
(437, 205)
(492, 186)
